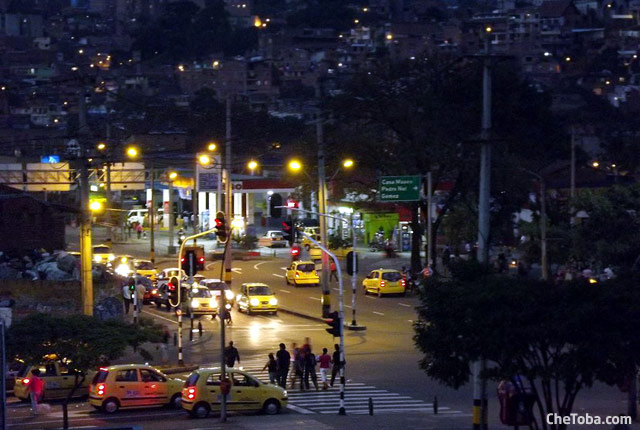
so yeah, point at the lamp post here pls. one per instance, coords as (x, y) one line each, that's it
(172, 176)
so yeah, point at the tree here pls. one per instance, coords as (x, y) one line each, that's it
(558, 338)
(80, 342)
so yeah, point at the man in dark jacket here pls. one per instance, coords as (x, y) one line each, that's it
(336, 363)
(231, 355)
(283, 358)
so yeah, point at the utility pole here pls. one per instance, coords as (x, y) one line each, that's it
(152, 215)
(572, 192)
(543, 229)
(228, 190)
(479, 382)
(85, 214)
(171, 249)
(108, 184)
(429, 223)
(322, 204)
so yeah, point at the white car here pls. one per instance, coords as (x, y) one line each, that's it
(272, 238)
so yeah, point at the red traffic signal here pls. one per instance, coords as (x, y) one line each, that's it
(295, 251)
(221, 227)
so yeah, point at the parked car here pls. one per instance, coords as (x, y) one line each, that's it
(272, 239)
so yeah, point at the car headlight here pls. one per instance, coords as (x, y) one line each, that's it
(254, 302)
(273, 301)
(97, 258)
(154, 292)
(228, 306)
(111, 257)
(228, 294)
(284, 393)
(238, 297)
(195, 303)
(123, 270)
(213, 303)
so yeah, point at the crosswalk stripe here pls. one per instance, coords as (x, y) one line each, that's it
(363, 401)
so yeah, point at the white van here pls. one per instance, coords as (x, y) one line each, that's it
(137, 215)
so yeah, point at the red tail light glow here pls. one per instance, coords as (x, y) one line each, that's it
(182, 260)
(26, 381)
(404, 283)
(382, 283)
(100, 389)
(202, 259)
(191, 393)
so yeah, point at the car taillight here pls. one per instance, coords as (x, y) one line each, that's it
(297, 274)
(202, 259)
(154, 291)
(381, 283)
(26, 381)
(100, 389)
(191, 393)
(404, 283)
(182, 260)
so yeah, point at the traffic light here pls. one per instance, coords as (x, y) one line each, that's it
(172, 289)
(335, 322)
(287, 229)
(351, 268)
(131, 284)
(189, 263)
(221, 227)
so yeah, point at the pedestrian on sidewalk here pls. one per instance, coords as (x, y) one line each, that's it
(165, 343)
(139, 229)
(140, 291)
(337, 364)
(298, 365)
(310, 369)
(272, 365)
(334, 271)
(36, 389)
(231, 355)
(284, 361)
(127, 297)
(325, 365)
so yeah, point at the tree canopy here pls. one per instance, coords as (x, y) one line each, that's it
(559, 338)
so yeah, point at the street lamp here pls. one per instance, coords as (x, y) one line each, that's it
(204, 159)
(347, 163)
(295, 165)
(101, 146)
(252, 165)
(212, 146)
(173, 176)
(95, 206)
(132, 152)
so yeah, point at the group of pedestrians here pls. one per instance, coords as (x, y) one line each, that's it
(300, 365)
(128, 295)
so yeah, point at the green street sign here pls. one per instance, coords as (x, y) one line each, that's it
(399, 188)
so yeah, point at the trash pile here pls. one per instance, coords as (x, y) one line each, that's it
(41, 265)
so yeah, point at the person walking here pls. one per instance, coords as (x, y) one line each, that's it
(127, 297)
(140, 291)
(231, 355)
(334, 271)
(36, 389)
(337, 364)
(310, 369)
(325, 365)
(272, 365)
(298, 366)
(283, 359)
(139, 230)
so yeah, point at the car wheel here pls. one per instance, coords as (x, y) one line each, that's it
(201, 410)
(176, 401)
(379, 293)
(271, 407)
(110, 406)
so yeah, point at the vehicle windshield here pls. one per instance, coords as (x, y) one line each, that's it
(392, 276)
(191, 380)
(218, 286)
(101, 376)
(308, 267)
(200, 292)
(101, 250)
(261, 290)
(144, 265)
(171, 273)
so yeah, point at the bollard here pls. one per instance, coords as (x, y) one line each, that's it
(435, 405)
(370, 406)
(175, 339)
(199, 329)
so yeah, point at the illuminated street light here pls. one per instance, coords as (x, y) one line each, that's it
(595, 164)
(295, 165)
(212, 146)
(101, 146)
(173, 175)
(204, 159)
(347, 163)
(253, 165)
(95, 206)
(132, 152)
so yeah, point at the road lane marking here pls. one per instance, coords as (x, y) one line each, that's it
(286, 291)
(284, 268)
(411, 321)
(299, 409)
(255, 266)
(209, 265)
(405, 305)
(336, 289)
(279, 276)
(378, 313)
(161, 317)
(315, 298)
(347, 306)
(369, 297)
(237, 270)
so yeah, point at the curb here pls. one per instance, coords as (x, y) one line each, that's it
(207, 337)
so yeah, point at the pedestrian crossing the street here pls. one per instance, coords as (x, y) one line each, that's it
(357, 395)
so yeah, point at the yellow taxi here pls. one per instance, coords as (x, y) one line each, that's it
(201, 393)
(145, 268)
(302, 273)
(256, 297)
(103, 254)
(58, 380)
(384, 281)
(133, 386)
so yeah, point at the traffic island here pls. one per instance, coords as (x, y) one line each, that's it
(355, 327)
